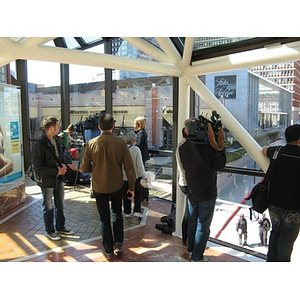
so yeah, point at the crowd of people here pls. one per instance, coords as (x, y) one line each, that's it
(117, 168)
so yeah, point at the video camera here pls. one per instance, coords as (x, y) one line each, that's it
(199, 127)
(91, 122)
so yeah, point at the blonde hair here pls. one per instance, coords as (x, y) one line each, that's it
(70, 128)
(141, 122)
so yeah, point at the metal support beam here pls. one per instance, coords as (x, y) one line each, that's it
(187, 53)
(169, 49)
(148, 48)
(65, 95)
(183, 114)
(87, 58)
(108, 80)
(175, 135)
(21, 69)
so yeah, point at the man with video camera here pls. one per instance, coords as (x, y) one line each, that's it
(201, 156)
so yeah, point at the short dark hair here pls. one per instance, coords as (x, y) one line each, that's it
(106, 121)
(187, 123)
(49, 121)
(184, 135)
(292, 133)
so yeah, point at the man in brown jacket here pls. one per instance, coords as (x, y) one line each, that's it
(104, 157)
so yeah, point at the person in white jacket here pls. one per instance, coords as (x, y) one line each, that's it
(130, 139)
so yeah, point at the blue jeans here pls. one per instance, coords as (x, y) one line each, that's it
(200, 217)
(49, 212)
(115, 235)
(285, 229)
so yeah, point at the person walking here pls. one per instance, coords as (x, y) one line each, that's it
(284, 197)
(130, 139)
(200, 162)
(241, 229)
(104, 157)
(49, 171)
(264, 227)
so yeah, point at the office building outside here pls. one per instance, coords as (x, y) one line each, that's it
(286, 75)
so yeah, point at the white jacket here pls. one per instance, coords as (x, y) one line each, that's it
(137, 162)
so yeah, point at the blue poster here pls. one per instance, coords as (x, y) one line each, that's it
(11, 160)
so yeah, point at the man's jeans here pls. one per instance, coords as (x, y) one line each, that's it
(200, 217)
(49, 211)
(110, 236)
(285, 229)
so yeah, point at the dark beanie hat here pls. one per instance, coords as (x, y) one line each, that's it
(292, 133)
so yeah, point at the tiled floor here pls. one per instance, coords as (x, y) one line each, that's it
(22, 235)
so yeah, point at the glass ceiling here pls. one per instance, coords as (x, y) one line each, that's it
(204, 47)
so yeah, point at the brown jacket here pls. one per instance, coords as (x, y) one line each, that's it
(104, 157)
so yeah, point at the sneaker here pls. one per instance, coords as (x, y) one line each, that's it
(205, 259)
(65, 232)
(53, 236)
(119, 249)
(109, 256)
(138, 215)
(127, 215)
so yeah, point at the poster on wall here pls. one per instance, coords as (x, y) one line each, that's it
(225, 86)
(11, 162)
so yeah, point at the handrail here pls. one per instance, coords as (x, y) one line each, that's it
(226, 169)
(243, 171)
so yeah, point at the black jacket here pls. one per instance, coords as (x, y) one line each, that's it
(201, 163)
(285, 179)
(142, 143)
(45, 161)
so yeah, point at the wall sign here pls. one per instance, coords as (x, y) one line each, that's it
(225, 86)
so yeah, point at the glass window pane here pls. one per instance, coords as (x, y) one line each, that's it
(123, 48)
(92, 39)
(208, 42)
(44, 94)
(71, 42)
(87, 99)
(151, 98)
(259, 99)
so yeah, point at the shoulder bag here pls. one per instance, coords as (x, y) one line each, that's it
(260, 192)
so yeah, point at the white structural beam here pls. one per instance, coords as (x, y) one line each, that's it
(148, 48)
(240, 133)
(169, 49)
(187, 52)
(183, 114)
(67, 56)
(247, 59)
(4, 61)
